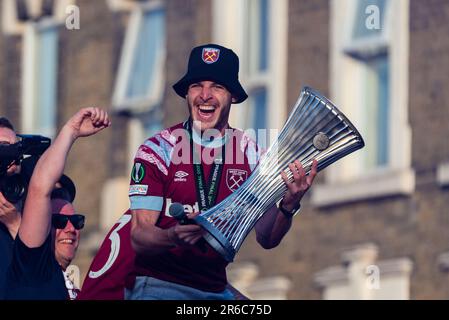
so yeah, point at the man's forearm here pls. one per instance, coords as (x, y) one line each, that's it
(151, 241)
(272, 227)
(36, 222)
(51, 165)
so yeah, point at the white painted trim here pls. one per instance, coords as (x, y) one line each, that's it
(242, 274)
(331, 276)
(126, 58)
(277, 103)
(443, 261)
(443, 174)
(365, 253)
(395, 267)
(60, 9)
(135, 138)
(371, 44)
(338, 275)
(400, 148)
(228, 22)
(30, 84)
(353, 278)
(377, 185)
(272, 288)
(29, 69)
(346, 180)
(12, 26)
(127, 5)
(156, 92)
(10, 23)
(114, 201)
(154, 96)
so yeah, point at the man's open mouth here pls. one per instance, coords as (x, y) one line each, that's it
(206, 111)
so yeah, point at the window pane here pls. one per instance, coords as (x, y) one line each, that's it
(45, 77)
(263, 47)
(259, 106)
(257, 37)
(377, 111)
(361, 30)
(382, 68)
(256, 116)
(150, 42)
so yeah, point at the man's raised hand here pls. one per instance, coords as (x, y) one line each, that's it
(88, 121)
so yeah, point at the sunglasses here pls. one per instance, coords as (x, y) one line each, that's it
(59, 221)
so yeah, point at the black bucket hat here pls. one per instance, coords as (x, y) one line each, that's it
(214, 63)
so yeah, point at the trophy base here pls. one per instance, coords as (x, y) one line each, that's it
(216, 240)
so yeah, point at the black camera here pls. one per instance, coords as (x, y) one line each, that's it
(14, 187)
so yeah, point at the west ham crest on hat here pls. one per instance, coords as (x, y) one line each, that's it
(210, 55)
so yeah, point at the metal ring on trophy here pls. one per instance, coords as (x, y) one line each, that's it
(321, 141)
(315, 129)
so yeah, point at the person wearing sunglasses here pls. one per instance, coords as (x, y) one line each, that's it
(49, 232)
(10, 213)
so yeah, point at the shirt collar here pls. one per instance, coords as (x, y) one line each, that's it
(205, 140)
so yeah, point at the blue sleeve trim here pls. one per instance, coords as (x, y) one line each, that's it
(146, 202)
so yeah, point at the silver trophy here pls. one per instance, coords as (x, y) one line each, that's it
(316, 129)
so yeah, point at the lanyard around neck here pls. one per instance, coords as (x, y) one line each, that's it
(211, 189)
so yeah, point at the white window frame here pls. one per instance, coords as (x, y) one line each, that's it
(354, 279)
(228, 25)
(137, 107)
(29, 32)
(370, 45)
(155, 95)
(30, 68)
(122, 5)
(397, 177)
(443, 174)
(12, 26)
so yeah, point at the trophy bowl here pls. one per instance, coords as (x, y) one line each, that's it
(315, 129)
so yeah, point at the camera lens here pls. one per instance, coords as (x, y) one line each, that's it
(13, 187)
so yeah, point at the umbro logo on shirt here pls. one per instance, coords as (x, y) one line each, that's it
(180, 176)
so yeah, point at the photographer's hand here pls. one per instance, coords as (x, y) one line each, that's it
(9, 216)
(87, 121)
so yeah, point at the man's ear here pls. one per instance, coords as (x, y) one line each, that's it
(234, 99)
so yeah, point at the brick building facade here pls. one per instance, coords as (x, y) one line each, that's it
(399, 226)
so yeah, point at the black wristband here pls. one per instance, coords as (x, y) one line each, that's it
(289, 214)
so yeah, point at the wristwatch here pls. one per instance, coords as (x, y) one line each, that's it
(289, 214)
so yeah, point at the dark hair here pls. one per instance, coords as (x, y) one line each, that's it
(5, 123)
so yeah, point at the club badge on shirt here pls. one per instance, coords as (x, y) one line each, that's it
(235, 178)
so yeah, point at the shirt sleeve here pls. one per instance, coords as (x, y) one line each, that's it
(149, 171)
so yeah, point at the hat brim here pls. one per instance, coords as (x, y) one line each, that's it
(234, 87)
